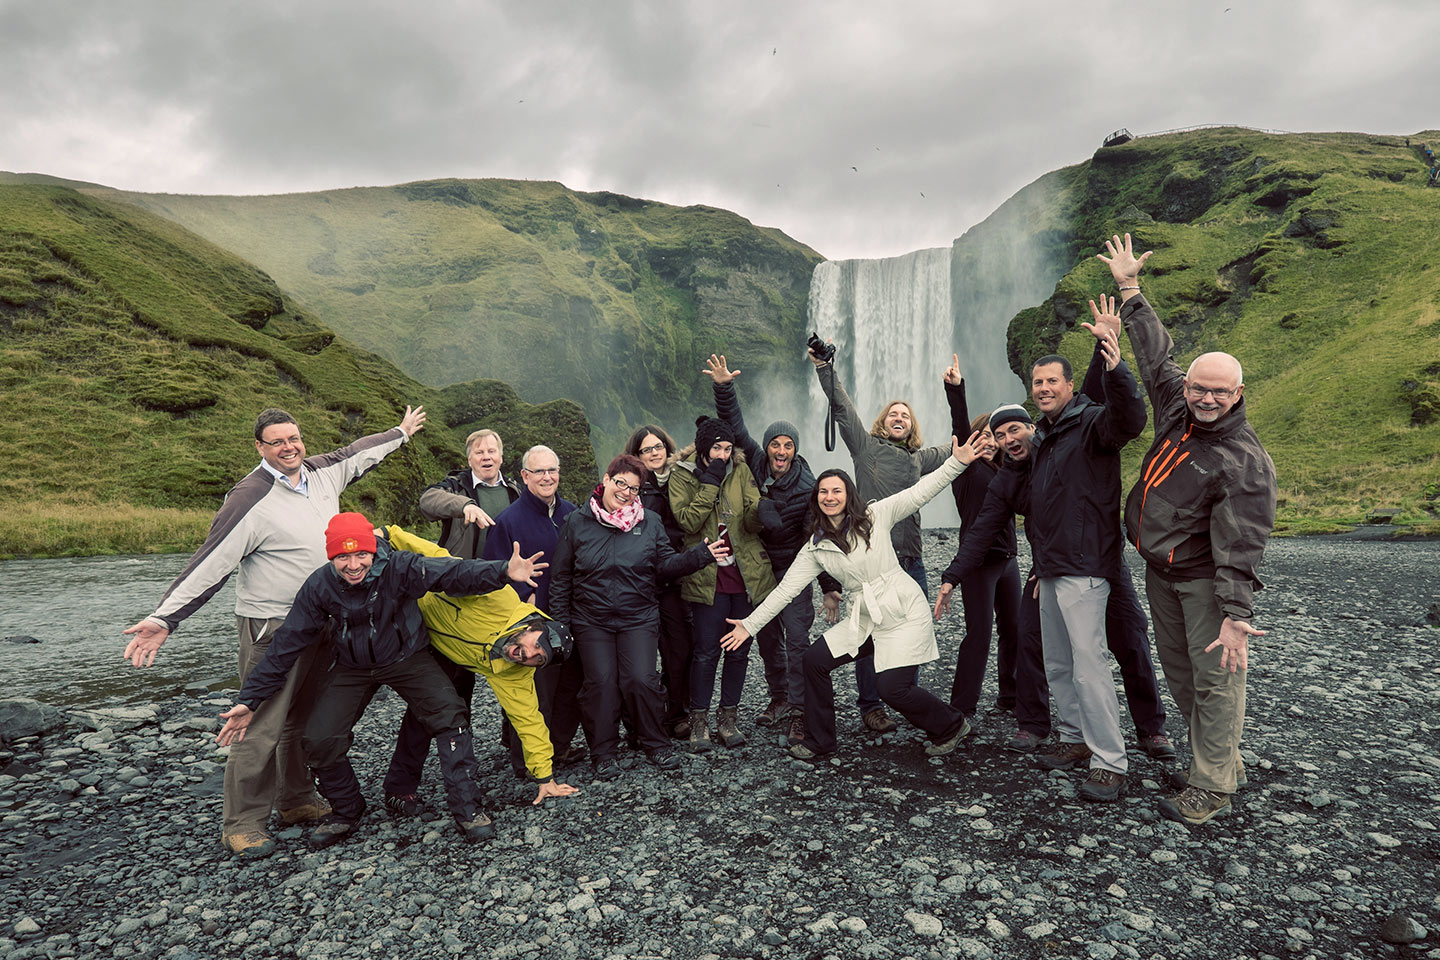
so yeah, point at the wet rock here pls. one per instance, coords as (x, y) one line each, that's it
(21, 638)
(116, 718)
(1401, 928)
(27, 718)
(923, 923)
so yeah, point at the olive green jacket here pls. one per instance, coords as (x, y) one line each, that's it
(699, 508)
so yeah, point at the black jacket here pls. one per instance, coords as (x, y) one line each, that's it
(603, 577)
(1006, 497)
(1073, 524)
(969, 488)
(374, 623)
(656, 500)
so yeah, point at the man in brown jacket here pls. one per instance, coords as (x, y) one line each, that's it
(1200, 515)
(468, 500)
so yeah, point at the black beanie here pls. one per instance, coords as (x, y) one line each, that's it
(708, 432)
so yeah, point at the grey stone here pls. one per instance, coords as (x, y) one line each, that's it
(28, 718)
(116, 718)
(1401, 928)
(27, 927)
(923, 923)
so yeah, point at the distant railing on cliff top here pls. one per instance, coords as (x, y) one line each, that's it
(1209, 126)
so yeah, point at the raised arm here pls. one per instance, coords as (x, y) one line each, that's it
(727, 408)
(842, 408)
(1152, 344)
(898, 506)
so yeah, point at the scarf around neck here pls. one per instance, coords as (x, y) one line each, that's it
(623, 519)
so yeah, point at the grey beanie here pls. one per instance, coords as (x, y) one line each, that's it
(1008, 412)
(781, 428)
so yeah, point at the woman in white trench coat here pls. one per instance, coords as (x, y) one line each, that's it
(888, 612)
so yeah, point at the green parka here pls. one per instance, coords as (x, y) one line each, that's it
(698, 509)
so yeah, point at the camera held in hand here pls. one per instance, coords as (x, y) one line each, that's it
(819, 349)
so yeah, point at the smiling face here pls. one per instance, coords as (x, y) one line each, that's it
(525, 649)
(281, 447)
(830, 495)
(620, 491)
(989, 446)
(781, 454)
(485, 459)
(1050, 390)
(899, 421)
(542, 475)
(352, 567)
(1014, 438)
(653, 453)
(1212, 386)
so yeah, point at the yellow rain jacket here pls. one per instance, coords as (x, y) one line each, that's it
(465, 629)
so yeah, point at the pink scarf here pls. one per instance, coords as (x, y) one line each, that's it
(623, 519)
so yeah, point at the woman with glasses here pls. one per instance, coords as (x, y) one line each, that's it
(605, 579)
(656, 450)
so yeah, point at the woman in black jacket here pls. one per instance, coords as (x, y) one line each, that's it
(656, 450)
(612, 557)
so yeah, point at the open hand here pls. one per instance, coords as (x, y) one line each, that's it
(237, 719)
(1105, 318)
(148, 635)
(831, 604)
(716, 369)
(1124, 265)
(717, 549)
(552, 789)
(524, 569)
(966, 452)
(413, 421)
(1234, 641)
(736, 638)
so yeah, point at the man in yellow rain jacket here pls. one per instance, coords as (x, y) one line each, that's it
(499, 637)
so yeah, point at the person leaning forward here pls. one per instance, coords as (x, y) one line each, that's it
(1200, 515)
(272, 529)
(360, 611)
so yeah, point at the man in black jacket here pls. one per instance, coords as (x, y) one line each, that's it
(1077, 543)
(785, 482)
(362, 605)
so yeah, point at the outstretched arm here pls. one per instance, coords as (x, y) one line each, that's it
(727, 408)
(892, 509)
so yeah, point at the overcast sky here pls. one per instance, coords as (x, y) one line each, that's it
(860, 128)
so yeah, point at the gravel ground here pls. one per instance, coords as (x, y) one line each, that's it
(110, 836)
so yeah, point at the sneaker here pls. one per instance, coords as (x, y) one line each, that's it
(1102, 786)
(667, 761)
(316, 809)
(403, 804)
(726, 730)
(332, 830)
(478, 828)
(1194, 806)
(250, 846)
(1159, 746)
(878, 721)
(699, 731)
(1024, 742)
(607, 769)
(773, 713)
(941, 748)
(796, 733)
(1064, 756)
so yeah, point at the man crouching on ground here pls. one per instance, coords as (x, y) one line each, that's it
(363, 606)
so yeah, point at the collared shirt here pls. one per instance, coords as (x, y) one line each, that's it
(499, 479)
(302, 488)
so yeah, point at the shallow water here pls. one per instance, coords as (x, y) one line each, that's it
(78, 609)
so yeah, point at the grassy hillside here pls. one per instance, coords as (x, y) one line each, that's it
(1314, 259)
(605, 300)
(134, 357)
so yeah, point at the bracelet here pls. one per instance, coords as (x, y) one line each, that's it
(1130, 288)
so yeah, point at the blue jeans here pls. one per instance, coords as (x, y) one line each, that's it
(709, 626)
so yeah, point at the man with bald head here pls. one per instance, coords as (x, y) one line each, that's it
(1200, 515)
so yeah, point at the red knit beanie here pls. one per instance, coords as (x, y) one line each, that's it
(349, 533)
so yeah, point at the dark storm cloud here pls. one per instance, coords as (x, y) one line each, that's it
(828, 120)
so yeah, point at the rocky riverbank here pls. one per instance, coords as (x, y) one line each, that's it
(111, 828)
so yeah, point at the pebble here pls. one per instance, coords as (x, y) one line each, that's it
(923, 923)
(1383, 840)
(997, 929)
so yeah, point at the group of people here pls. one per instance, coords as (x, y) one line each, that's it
(683, 555)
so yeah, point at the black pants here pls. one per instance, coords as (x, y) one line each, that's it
(439, 709)
(557, 687)
(898, 688)
(620, 676)
(412, 742)
(990, 594)
(1126, 634)
(675, 653)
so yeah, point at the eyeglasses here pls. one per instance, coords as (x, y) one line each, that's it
(276, 444)
(1219, 393)
(624, 487)
(543, 471)
(653, 448)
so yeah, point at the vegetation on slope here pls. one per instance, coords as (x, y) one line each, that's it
(1311, 257)
(135, 358)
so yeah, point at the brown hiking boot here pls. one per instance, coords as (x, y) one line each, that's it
(773, 713)
(1194, 806)
(304, 813)
(726, 730)
(699, 731)
(1102, 786)
(680, 729)
(251, 846)
(1064, 756)
(796, 733)
(878, 721)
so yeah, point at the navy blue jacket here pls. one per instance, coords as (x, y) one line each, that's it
(529, 522)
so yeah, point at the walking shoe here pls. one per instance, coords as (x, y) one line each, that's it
(796, 733)
(607, 769)
(666, 761)
(403, 804)
(772, 714)
(725, 728)
(1064, 756)
(1024, 742)
(315, 809)
(1159, 746)
(332, 830)
(250, 846)
(1102, 786)
(878, 721)
(1194, 806)
(803, 751)
(999, 708)
(477, 828)
(699, 731)
(940, 748)
(680, 729)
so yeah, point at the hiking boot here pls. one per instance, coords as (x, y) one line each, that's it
(315, 809)
(571, 754)
(699, 731)
(1180, 779)
(1194, 806)
(477, 828)
(680, 729)
(1102, 786)
(250, 846)
(726, 730)
(796, 733)
(1001, 708)
(878, 721)
(1024, 742)
(948, 745)
(803, 751)
(1064, 756)
(1159, 746)
(403, 804)
(607, 769)
(332, 830)
(667, 761)
(773, 713)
